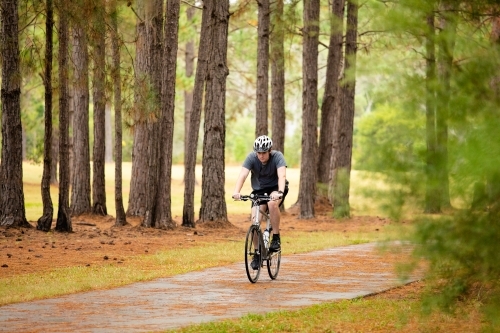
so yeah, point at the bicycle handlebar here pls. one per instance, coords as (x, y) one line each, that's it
(256, 197)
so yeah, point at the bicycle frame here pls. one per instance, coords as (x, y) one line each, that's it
(257, 201)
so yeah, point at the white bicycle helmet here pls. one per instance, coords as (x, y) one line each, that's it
(262, 144)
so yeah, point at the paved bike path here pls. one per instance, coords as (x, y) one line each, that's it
(212, 294)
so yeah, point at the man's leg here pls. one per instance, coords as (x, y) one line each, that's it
(275, 214)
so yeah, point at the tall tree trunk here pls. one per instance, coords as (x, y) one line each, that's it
(331, 96)
(45, 221)
(448, 26)
(154, 44)
(163, 218)
(99, 99)
(121, 218)
(55, 154)
(261, 114)
(80, 189)
(343, 127)
(307, 187)
(12, 211)
(188, 216)
(138, 180)
(108, 155)
(278, 76)
(63, 223)
(143, 184)
(433, 194)
(213, 203)
(188, 93)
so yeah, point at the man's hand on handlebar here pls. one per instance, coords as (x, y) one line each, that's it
(276, 195)
(236, 196)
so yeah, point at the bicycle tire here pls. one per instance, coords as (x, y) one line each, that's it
(252, 274)
(273, 264)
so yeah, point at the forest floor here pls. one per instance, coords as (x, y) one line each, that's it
(95, 241)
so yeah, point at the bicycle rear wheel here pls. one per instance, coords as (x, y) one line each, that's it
(250, 253)
(273, 264)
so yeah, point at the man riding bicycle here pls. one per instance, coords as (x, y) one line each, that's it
(268, 168)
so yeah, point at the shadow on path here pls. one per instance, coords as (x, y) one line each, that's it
(212, 294)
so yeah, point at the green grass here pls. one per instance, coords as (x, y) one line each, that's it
(341, 316)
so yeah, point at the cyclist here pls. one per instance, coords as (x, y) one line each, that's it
(268, 168)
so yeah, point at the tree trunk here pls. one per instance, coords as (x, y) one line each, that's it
(80, 189)
(63, 214)
(121, 218)
(143, 185)
(163, 218)
(331, 96)
(188, 93)
(278, 77)
(447, 30)
(341, 177)
(188, 217)
(12, 211)
(433, 194)
(213, 203)
(99, 99)
(307, 189)
(45, 221)
(108, 155)
(154, 68)
(342, 155)
(138, 179)
(55, 155)
(261, 114)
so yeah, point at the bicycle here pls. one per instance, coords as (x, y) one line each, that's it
(257, 242)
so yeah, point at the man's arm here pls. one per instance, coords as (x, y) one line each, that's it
(239, 182)
(281, 183)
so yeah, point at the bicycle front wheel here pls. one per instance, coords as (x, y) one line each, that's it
(253, 257)
(273, 264)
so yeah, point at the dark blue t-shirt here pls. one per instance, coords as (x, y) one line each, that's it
(264, 176)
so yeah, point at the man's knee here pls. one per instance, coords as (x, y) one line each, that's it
(274, 205)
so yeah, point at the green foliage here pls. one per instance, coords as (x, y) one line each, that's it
(463, 257)
(390, 140)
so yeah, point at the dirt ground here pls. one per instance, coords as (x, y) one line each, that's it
(95, 240)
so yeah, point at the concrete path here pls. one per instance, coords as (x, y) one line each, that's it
(209, 295)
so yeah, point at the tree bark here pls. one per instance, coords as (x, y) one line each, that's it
(163, 218)
(121, 218)
(44, 223)
(188, 216)
(63, 223)
(432, 195)
(99, 99)
(154, 68)
(189, 57)
(343, 127)
(138, 181)
(278, 77)
(80, 189)
(12, 211)
(448, 26)
(213, 203)
(331, 96)
(108, 133)
(261, 114)
(307, 186)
